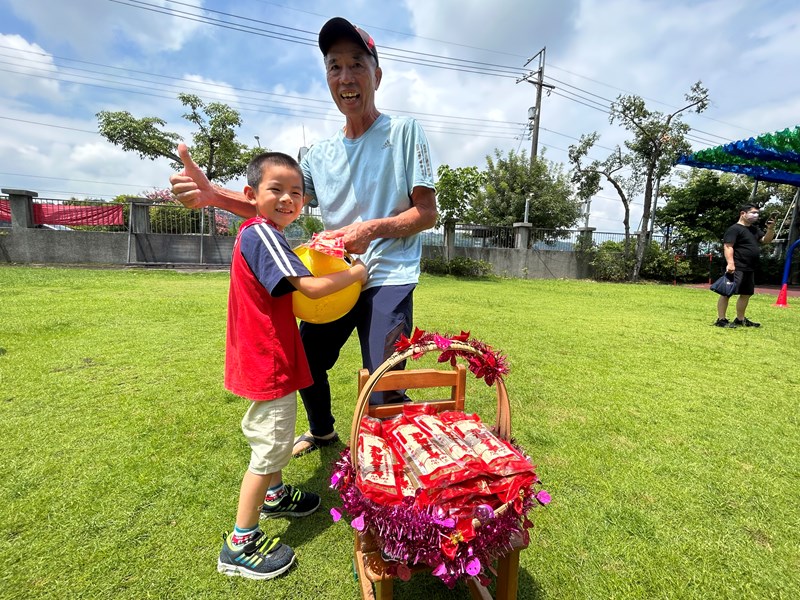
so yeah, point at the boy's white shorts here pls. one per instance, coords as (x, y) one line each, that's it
(269, 429)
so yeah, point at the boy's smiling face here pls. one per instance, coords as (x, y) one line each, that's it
(279, 196)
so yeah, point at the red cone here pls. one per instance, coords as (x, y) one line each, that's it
(781, 301)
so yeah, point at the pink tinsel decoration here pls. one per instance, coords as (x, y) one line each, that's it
(413, 535)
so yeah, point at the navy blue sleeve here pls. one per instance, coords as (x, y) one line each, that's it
(270, 258)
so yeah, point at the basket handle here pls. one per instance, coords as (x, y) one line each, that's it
(503, 406)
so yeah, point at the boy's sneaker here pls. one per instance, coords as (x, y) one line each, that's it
(722, 323)
(745, 323)
(293, 503)
(261, 558)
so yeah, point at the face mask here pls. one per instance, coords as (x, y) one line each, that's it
(751, 217)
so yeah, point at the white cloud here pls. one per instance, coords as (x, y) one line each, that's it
(90, 27)
(745, 54)
(21, 60)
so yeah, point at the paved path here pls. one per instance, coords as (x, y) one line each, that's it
(792, 291)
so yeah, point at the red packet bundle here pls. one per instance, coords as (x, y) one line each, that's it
(407, 484)
(460, 493)
(431, 465)
(327, 244)
(500, 456)
(376, 473)
(425, 416)
(507, 489)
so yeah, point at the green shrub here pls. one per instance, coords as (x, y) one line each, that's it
(310, 224)
(460, 266)
(662, 265)
(434, 266)
(609, 262)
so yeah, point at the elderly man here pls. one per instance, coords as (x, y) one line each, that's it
(373, 183)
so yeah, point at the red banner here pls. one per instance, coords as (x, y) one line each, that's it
(69, 214)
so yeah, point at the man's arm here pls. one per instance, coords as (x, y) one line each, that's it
(421, 216)
(770, 235)
(192, 188)
(728, 251)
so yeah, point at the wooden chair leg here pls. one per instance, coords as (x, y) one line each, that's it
(384, 589)
(363, 582)
(477, 591)
(508, 576)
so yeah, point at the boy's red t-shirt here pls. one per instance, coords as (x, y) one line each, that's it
(264, 357)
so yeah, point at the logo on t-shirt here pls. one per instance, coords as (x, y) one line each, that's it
(424, 160)
(386, 144)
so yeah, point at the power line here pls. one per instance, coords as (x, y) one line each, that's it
(48, 125)
(293, 110)
(72, 180)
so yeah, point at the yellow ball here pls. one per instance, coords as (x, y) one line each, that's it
(330, 307)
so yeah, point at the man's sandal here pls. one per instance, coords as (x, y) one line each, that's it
(314, 443)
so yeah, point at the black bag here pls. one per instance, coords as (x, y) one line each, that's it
(725, 285)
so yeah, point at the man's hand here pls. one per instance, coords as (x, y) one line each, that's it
(191, 187)
(730, 268)
(357, 237)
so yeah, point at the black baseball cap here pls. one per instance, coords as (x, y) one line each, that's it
(339, 28)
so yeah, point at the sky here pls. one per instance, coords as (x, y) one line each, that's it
(458, 67)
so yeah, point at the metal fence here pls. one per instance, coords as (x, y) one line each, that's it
(486, 236)
(173, 218)
(162, 218)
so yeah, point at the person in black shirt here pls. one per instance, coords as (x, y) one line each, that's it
(742, 246)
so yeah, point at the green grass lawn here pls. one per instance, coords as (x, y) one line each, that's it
(670, 447)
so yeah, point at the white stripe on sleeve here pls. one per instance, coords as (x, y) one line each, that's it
(275, 249)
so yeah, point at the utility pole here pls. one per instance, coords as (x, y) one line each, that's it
(535, 112)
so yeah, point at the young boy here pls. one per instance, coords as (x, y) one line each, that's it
(265, 361)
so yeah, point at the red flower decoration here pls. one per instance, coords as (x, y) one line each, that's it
(484, 362)
(464, 532)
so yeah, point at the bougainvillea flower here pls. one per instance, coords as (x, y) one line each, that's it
(543, 497)
(336, 514)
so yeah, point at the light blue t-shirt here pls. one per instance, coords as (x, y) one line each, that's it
(371, 178)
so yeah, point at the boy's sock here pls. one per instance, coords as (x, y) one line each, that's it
(274, 494)
(241, 537)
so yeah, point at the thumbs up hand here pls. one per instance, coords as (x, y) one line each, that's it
(191, 187)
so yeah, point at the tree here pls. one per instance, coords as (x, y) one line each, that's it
(658, 140)
(703, 207)
(214, 144)
(512, 180)
(456, 193)
(587, 178)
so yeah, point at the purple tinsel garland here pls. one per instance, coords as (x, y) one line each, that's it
(413, 536)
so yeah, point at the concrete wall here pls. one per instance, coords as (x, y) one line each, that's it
(520, 264)
(44, 246)
(162, 248)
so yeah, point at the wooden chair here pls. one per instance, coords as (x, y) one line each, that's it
(370, 566)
